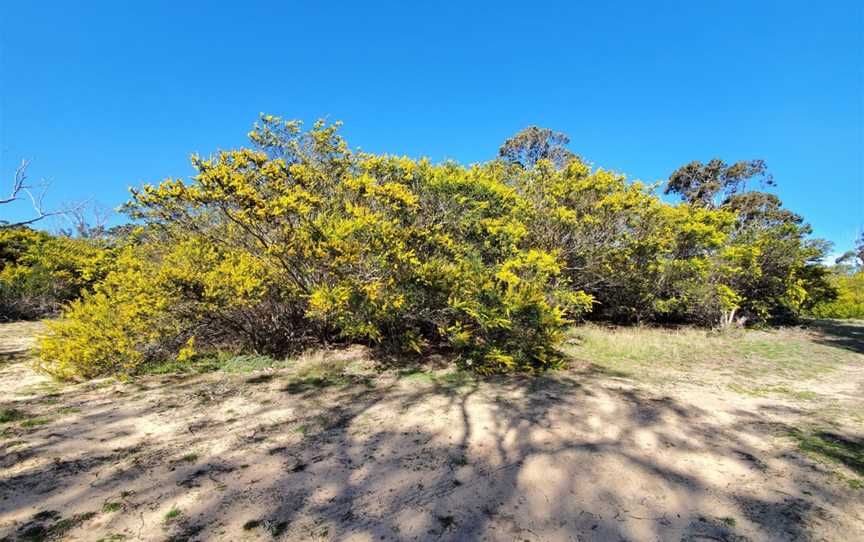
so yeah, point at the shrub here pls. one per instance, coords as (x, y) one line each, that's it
(39, 273)
(850, 298)
(160, 302)
(299, 240)
(266, 249)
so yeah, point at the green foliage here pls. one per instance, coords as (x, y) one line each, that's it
(172, 515)
(702, 184)
(850, 298)
(39, 272)
(771, 271)
(154, 304)
(300, 240)
(535, 143)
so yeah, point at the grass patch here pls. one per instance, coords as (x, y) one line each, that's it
(628, 348)
(753, 360)
(8, 415)
(172, 515)
(729, 522)
(451, 378)
(35, 422)
(59, 529)
(189, 458)
(832, 448)
(109, 507)
(766, 391)
(40, 532)
(222, 361)
(299, 384)
(49, 387)
(278, 529)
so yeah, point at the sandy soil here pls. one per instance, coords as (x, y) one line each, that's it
(577, 455)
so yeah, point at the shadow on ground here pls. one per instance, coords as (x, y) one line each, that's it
(846, 334)
(512, 458)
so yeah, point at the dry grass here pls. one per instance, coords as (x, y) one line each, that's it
(752, 361)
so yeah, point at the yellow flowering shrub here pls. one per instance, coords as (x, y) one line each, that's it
(39, 272)
(300, 240)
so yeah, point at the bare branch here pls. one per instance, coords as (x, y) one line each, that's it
(81, 225)
(21, 189)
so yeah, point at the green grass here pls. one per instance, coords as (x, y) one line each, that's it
(189, 458)
(49, 387)
(830, 447)
(109, 507)
(172, 515)
(767, 391)
(57, 530)
(753, 360)
(317, 370)
(8, 415)
(223, 361)
(35, 422)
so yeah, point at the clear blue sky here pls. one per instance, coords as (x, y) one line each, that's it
(103, 95)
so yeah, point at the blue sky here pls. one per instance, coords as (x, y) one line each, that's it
(103, 95)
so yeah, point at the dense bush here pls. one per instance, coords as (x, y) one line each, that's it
(39, 273)
(300, 240)
(850, 298)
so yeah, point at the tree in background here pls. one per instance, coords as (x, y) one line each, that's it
(711, 185)
(773, 270)
(85, 221)
(532, 144)
(847, 277)
(852, 261)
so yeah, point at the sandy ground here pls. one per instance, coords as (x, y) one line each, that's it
(576, 455)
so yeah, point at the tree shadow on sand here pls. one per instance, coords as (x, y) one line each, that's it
(502, 459)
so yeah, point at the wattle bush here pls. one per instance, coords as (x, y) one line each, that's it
(300, 240)
(265, 250)
(39, 273)
(850, 299)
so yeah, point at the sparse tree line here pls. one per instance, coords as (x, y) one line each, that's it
(298, 240)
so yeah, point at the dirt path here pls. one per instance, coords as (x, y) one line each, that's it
(572, 456)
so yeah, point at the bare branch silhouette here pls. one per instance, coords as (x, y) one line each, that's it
(21, 190)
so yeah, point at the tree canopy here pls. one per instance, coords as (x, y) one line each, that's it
(297, 240)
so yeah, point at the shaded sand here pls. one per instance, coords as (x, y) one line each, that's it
(576, 455)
